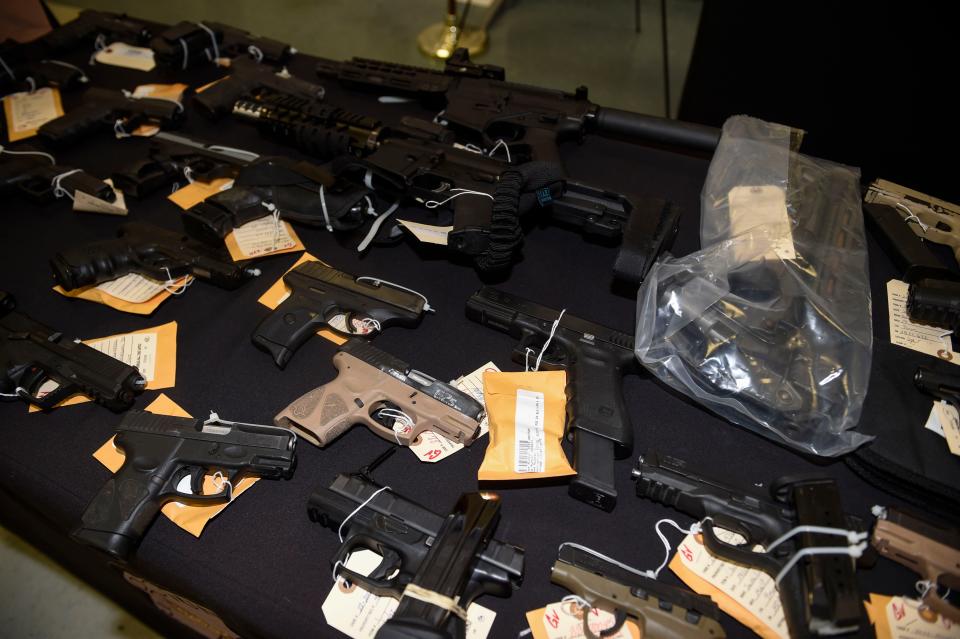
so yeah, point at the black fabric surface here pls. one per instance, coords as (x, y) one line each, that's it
(261, 564)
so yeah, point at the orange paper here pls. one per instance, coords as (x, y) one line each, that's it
(190, 518)
(197, 191)
(94, 294)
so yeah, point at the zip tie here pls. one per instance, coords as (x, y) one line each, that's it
(170, 286)
(432, 204)
(377, 280)
(500, 144)
(693, 530)
(130, 95)
(591, 551)
(186, 52)
(7, 69)
(52, 159)
(19, 392)
(83, 76)
(853, 551)
(355, 511)
(368, 179)
(220, 481)
(323, 207)
(434, 598)
(249, 156)
(553, 330)
(853, 537)
(375, 227)
(58, 190)
(256, 53)
(213, 39)
(215, 419)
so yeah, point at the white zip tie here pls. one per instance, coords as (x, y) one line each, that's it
(59, 191)
(213, 39)
(553, 330)
(130, 95)
(186, 52)
(853, 537)
(355, 511)
(432, 204)
(323, 207)
(52, 159)
(500, 144)
(220, 481)
(375, 227)
(853, 551)
(170, 286)
(83, 76)
(377, 280)
(19, 392)
(215, 419)
(256, 53)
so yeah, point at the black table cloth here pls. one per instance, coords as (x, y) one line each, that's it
(261, 564)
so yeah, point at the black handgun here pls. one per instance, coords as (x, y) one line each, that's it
(484, 109)
(159, 452)
(93, 28)
(37, 175)
(27, 66)
(596, 358)
(106, 109)
(297, 191)
(943, 386)
(34, 356)
(453, 558)
(322, 296)
(249, 77)
(188, 44)
(152, 251)
(173, 158)
(819, 594)
(661, 611)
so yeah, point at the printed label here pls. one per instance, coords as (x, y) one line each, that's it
(933, 421)
(426, 232)
(529, 442)
(133, 288)
(263, 237)
(918, 337)
(135, 349)
(90, 204)
(120, 54)
(762, 206)
(431, 447)
(752, 591)
(27, 112)
(359, 614)
(564, 620)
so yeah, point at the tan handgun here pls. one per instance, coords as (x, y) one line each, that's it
(927, 549)
(397, 403)
(661, 611)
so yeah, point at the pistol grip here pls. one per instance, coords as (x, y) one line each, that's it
(117, 518)
(217, 100)
(321, 415)
(285, 330)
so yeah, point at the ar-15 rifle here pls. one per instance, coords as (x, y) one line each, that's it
(661, 611)
(32, 355)
(818, 591)
(159, 452)
(38, 175)
(107, 109)
(249, 77)
(148, 250)
(173, 157)
(323, 296)
(484, 109)
(370, 388)
(419, 162)
(596, 358)
(452, 560)
(930, 550)
(187, 44)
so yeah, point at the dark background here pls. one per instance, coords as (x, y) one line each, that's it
(261, 565)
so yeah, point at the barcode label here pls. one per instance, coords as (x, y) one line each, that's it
(529, 443)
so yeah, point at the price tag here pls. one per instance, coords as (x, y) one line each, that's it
(918, 337)
(120, 54)
(27, 112)
(564, 620)
(265, 236)
(903, 618)
(427, 233)
(88, 203)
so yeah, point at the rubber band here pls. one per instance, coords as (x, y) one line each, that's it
(356, 510)
(52, 159)
(434, 599)
(58, 190)
(213, 38)
(377, 280)
(432, 204)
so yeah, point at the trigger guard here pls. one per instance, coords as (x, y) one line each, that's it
(387, 566)
(196, 480)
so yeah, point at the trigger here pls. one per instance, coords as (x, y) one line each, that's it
(389, 565)
(196, 481)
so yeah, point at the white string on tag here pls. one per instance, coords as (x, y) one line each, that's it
(694, 529)
(553, 330)
(582, 603)
(171, 286)
(432, 204)
(378, 281)
(52, 159)
(401, 421)
(368, 179)
(220, 482)
(33, 85)
(275, 212)
(498, 145)
(370, 324)
(255, 53)
(355, 511)
(216, 419)
(434, 598)
(58, 190)
(118, 129)
(326, 214)
(375, 227)
(213, 39)
(912, 217)
(83, 76)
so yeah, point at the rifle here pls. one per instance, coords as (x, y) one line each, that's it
(108, 109)
(453, 559)
(159, 452)
(38, 175)
(34, 355)
(152, 251)
(596, 358)
(249, 77)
